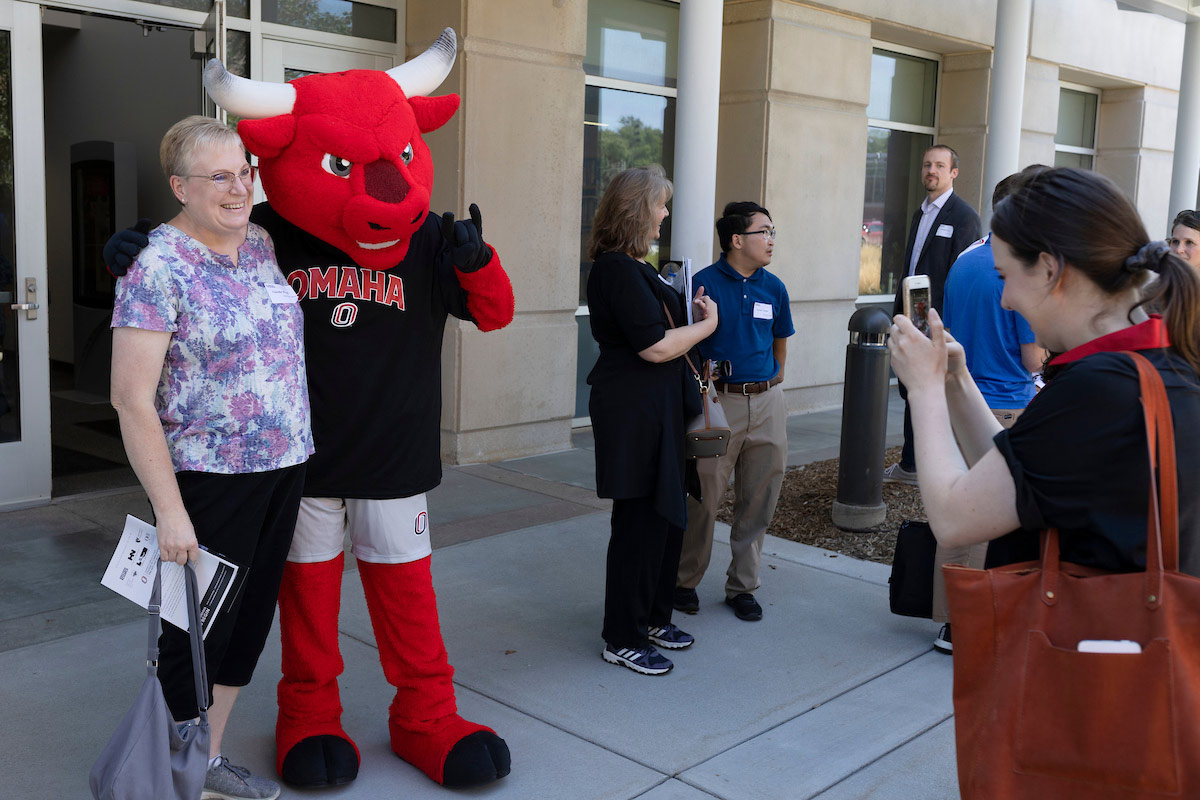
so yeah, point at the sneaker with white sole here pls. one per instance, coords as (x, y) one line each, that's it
(942, 643)
(644, 660)
(224, 781)
(671, 637)
(898, 474)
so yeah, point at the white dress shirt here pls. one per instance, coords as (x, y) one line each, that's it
(929, 211)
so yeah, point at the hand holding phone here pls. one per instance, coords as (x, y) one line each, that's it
(916, 301)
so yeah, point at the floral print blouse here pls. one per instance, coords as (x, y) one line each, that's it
(233, 396)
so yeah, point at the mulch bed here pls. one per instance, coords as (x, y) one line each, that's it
(805, 506)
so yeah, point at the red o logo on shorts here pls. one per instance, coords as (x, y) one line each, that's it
(422, 523)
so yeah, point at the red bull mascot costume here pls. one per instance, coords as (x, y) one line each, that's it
(349, 180)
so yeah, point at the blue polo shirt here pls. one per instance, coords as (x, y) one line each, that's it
(751, 314)
(991, 335)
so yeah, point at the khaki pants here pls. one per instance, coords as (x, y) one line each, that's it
(756, 458)
(973, 555)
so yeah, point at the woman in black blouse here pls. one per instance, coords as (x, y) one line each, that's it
(640, 395)
(1077, 263)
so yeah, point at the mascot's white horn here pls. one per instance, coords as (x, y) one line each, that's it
(246, 98)
(419, 77)
(250, 99)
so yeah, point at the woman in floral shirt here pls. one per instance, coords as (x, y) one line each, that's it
(208, 380)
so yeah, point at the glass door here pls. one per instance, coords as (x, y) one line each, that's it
(24, 338)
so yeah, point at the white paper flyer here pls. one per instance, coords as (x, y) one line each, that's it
(130, 574)
(688, 291)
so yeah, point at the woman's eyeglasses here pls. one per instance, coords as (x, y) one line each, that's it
(224, 180)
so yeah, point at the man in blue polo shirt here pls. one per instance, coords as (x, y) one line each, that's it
(756, 320)
(1001, 355)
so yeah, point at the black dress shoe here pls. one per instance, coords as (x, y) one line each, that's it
(686, 600)
(745, 607)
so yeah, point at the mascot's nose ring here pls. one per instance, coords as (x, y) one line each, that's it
(385, 183)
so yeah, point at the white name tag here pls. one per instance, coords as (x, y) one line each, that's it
(281, 294)
(763, 311)
(945, 231)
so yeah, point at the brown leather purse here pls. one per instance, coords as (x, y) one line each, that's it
(1036, 717)
(707, 434)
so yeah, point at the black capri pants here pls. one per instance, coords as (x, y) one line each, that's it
(249, 519)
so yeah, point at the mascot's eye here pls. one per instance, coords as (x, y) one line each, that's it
(336, 166)
(407, 155)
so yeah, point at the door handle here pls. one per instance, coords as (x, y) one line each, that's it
(30, 306)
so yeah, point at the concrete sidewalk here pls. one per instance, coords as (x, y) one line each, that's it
(829, 696)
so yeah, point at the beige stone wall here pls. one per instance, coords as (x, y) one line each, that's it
(963, 110)
(1039, 114)
(1134, 143)
(515, 149)
(795, 82)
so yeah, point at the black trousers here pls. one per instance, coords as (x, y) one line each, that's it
(249, 519)
(908, 451)
(639, 587)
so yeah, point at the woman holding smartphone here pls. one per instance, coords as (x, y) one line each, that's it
(639, 402)
(1075, 259)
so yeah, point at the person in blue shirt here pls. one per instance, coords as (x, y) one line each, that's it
(752, 332)
(1002, 355)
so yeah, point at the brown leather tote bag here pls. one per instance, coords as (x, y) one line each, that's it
(1036, 718)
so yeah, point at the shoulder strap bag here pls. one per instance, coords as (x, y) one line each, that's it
(707, 434)
(1074, 683)
(149, 757)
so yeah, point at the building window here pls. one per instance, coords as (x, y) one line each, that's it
(629, 121)
(334, 16)
(1075, 140)
(901, 125)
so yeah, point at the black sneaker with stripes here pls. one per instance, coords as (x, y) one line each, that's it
(645, 660)
(670, 637)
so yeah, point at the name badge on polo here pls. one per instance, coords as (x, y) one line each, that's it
(281, 294)
(945, 231)
(763, 311)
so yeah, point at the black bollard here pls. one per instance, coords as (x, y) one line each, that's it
(859, 504)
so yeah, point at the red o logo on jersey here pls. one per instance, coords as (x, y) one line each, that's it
(344, 315)
(422, 523)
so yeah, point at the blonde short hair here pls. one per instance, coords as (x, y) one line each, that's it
(625, 217)
(190, 134)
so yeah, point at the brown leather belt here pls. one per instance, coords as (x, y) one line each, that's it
(754, 387)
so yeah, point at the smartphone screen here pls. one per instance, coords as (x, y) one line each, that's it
(918, 302)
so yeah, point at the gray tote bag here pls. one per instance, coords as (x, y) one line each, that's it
(149, 757)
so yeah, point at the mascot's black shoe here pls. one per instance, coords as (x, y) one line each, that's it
(480, 758)
(321, 761)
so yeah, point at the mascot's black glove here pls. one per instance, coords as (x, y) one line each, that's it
(470, 252)
(123, 247)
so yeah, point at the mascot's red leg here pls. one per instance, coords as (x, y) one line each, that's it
(311, 749)
(425, 728)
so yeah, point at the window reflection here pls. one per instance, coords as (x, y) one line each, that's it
(334, 16)
(621, 130)
(892, 195)
(633, 40)
(903, 89)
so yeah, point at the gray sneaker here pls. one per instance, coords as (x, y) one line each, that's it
(227, 782)
(898, 474)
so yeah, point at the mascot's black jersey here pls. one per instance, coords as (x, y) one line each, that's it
(373, 342)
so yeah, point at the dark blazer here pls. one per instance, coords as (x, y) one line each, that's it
(940, 252)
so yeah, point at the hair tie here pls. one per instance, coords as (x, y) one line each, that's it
(1149, 256)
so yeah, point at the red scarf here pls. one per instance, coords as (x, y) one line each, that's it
(1148, 335)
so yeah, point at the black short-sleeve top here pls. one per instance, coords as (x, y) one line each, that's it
(637, 406)
(1079, 459)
